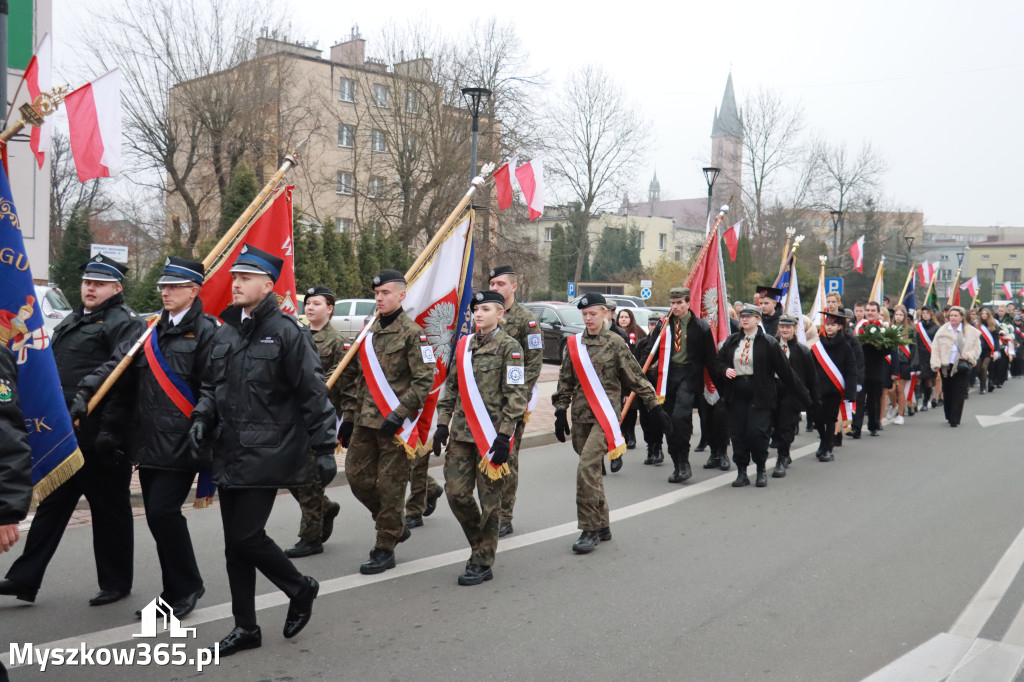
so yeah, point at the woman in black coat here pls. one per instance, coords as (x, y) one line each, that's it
(833, 345)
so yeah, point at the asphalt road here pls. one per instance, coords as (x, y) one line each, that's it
(866, 565)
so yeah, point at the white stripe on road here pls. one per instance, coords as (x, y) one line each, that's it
(984, 603)
(124, 633)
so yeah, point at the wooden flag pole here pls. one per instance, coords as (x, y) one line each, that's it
(956, 285)
(906, 284)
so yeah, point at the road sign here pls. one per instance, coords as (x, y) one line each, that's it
(118, 253)
(572, 289)
(645, 293)
(834, 285)
(646, 283)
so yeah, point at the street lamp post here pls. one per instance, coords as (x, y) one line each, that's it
(475, 100)
(910, 246)
(710, 175)
(836, 217)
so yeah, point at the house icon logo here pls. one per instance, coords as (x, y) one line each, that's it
(158, 610)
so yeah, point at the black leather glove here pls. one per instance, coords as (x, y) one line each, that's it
(345, 433)
(326, 467)
(391, 424)
(440, 439)
(196, 434)
(106, 445)
(561, 425)
(79, 407)
(664, 421)
(500, 447)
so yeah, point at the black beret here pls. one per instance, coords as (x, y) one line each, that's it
(591, 299)
(487, 297)
(321, 291)
(387, 276)
(502, 270)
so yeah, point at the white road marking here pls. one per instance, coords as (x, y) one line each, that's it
(985, 601)
(1004, 418)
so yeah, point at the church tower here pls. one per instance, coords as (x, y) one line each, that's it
(654, 190)
(727, 152)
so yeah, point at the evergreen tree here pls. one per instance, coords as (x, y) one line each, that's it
(347, 272)
(142, 295)
(74, 252)
(242, 189)
(617, 252)
(741, 276)
(558, 261)
(369, 262)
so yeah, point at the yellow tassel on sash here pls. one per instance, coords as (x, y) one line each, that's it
(493, 473)
(410, 450)
(661, 399)
(202, 503)
(617, 452)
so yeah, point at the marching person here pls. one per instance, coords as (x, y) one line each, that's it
(652, 431)
(989, 329)
(484, 401)
(746, 369)
(166, 378)
(768, 299)
(596, 365)
(955, 351)
(787, 419)
(521, 325)
(84, 340)
(876, 374)
(904, 364)
(318, 512)
(383, 393)
(263, 408)
(835, 376)
(925, 329)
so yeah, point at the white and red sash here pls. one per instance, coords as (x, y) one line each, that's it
(597, 398)
(987, 335)
(480, 424)
(532, 405)
(922, 333)
(661, 347)
(829, 367)
(906, 351)
(909, 386)
(384, 396)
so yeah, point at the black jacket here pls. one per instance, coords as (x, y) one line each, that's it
(265, 388)
(159, 429)
(81, 344)
(876, 365)
(857, 349)
(802, 363)
(771, 322)
(15, 454)
(924, 355)
(769, 362)
(700, 349)
(840, 350)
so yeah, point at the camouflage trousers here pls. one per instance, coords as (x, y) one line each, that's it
(591, 506)
(421, 486)
(313, 502)
(479, 522)
(508, 497)
(378, 471)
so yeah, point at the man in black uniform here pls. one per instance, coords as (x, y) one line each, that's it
(84, 340)
(166, 377)
(768, 299)
(265, 390)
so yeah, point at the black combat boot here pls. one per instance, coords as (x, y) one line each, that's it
(713, 461)
(475, 574)
(780, 466)
(587, 542)
(650, 454)
(762, 478)
(723, 461)
(303, 548)
(741, 479)
(659, 456)
(380, 561)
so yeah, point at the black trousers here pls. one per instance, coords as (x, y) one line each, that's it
(718, 426)
(825, 418)
(858, 413)
(873, 403)
(247, 547)
(679, 404)
(163, 493)
(749, 426)
(650, 426)
(787, 423)
(629, 421)
(954, 392)
(113, 540)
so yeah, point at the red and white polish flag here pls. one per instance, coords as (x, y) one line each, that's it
(531, 180)
(1008, 289)
(971, 286)
(857, 253)
(94, 122)
(732, 240)
(926, 271)
(503, 184)
(39, 78)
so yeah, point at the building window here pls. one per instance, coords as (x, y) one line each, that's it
(1013, 256)
(412, 102)
(945, 275)
(376, 186)
(345, 225)
(378, 143)
(412, 145)
(944, 256)
(679, 253)
(380, 96)
(549, 234)
(1011, 274)
(344, 183)
(662, 241)
(346, 90)
(984, 256)
(346, 135)
(817, 223)
(641, 241)
(976, 238)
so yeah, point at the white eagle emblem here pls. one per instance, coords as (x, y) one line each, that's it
(439, 328)
(709, 306)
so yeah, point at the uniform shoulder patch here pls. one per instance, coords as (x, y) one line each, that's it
(515, 375)
(428, 354)
(533, 323)
(423, 338)
(534, 341)
(516, 355)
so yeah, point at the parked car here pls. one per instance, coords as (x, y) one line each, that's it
(350, 315)
(619, 300)
(54, 305)
(557, 322)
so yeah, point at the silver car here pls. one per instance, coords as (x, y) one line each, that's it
(350, 314)
(54, 305)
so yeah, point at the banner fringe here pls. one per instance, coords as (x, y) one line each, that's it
(494, 473)
(617, 452)
(58, 476)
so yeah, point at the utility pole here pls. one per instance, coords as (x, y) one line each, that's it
(4, 11)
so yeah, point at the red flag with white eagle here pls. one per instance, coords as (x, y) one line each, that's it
(531, 180)
(271, 230)
(94, 127)
(857, 253)
(707, 299)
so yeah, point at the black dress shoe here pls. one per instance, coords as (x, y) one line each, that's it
(873, 432)
(631, 442)
(723, 462)
(18, 590)
(304, 548)
(187, 604)
(104, 597)
(616, 464)
(855, 434)
(380, 561)
(605, 534)
(239, 639)
(685, 471)
(475, 574)
(780, 468)
(762, 479)
(505, 528)
(587, 542)
(413, 522)
(712, 462)
(659, 457)
(701, 447)
(741, 480)
(328, 527)
(827, 457)
(300, 608)
(432, 501)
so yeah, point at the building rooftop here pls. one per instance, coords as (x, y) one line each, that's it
(727, 117)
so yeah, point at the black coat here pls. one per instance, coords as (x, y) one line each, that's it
(802, 362)
(924, 355)
(840, 350)
(265, 388)
(769, 362)
(159, 429)
(15, 453)
(857, 350)
(771, 322)
(876, 365)
(81, 344)
(700, 349)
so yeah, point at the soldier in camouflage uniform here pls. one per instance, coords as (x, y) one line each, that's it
(318, 512)
(497, 364)
(616, 367)
(521, 325)
(377, 465)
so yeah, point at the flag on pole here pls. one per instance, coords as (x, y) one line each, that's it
(926, 271)
(94, 126)
(531, 180)
(270, 230)
(732, 240)
(38, 79)
(819, 301)
(1008, 289)
(954, 291)
(503, 187)
(971, 286)
(909, 301)
(791, 297)
(55, 453)
(878, 287)
(707, 295)
(857, 253)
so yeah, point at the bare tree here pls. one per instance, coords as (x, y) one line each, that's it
(67, 194)
(596, 142)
